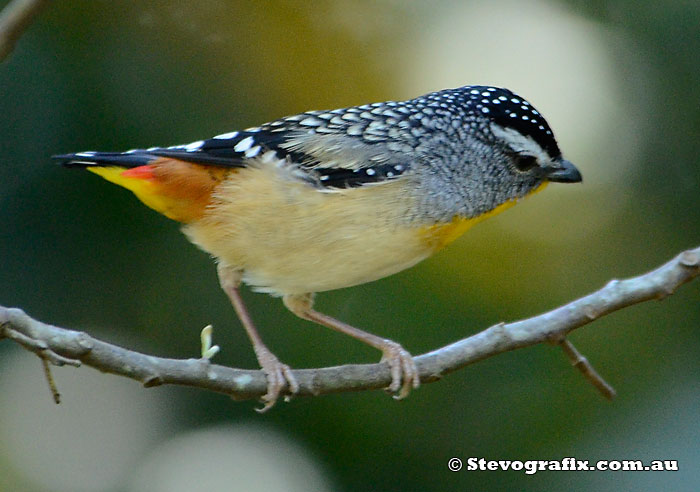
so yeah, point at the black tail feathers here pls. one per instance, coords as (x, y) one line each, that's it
(90, 158)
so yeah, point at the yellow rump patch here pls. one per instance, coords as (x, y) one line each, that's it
(145, 190)
(179, 190)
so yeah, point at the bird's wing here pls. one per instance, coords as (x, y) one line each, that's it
(341, 148)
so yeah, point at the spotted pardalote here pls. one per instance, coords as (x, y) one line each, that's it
(329, 199)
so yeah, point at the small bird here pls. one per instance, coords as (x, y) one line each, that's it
(328, 199)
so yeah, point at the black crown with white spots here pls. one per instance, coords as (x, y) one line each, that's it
(512, 111)
(390, 133)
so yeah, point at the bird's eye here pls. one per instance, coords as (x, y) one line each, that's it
(525, 162)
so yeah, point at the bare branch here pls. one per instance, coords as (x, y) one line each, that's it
(59, 345)
(15, 18)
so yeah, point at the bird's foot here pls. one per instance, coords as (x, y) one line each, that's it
(278, 376)
(404, 373)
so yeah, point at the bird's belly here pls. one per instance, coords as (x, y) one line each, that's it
(289, 238)
(335, 261)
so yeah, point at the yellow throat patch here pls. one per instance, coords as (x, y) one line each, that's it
(440, 235)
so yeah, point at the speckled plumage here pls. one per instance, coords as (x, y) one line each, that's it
(329, 199)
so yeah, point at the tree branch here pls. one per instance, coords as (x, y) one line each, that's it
(14, 20)
(61, 346)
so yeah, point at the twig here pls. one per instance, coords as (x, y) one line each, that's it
(52, 384)
(243, 384)
(38, 346)
(582, 364)
(14, 20)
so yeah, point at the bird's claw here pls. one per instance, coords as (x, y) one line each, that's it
(404, 373)
(278, 376)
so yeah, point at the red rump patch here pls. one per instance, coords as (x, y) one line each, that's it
(141, 172)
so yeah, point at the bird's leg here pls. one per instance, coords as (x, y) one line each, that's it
(278, 374)
(404, 374)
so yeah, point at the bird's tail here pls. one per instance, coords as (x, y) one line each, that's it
(92, 159)
(177, 189)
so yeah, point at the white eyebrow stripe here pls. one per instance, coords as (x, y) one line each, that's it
(520, 143)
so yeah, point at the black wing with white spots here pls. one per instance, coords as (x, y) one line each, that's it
(354, 146)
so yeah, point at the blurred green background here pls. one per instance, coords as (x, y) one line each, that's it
(618, 81)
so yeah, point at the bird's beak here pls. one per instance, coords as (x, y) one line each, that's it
(562, 171)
